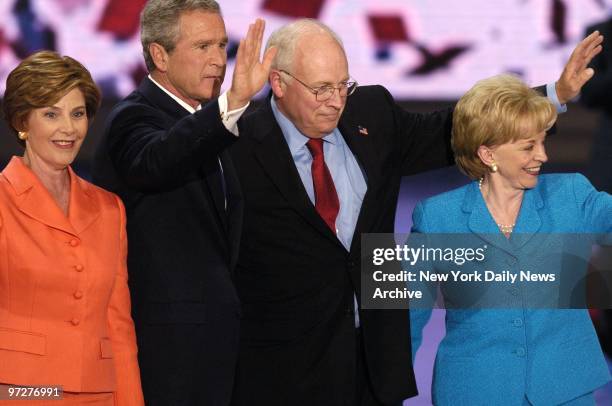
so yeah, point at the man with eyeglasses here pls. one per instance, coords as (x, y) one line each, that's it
(320, 163)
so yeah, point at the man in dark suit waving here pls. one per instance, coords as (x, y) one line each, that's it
(164, 153)
(323, 161)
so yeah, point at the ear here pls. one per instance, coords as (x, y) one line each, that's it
(486, 155)
(276, 83)
(159, 56)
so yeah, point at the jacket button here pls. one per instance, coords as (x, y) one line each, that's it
(75, 321)
(78, 294)
(74, 242)
(520, 351)
(517, 322)
(79, 268)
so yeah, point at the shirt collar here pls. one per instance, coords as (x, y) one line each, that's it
(295, 139)
(175, 98)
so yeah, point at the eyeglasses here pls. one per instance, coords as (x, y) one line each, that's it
(324, 93)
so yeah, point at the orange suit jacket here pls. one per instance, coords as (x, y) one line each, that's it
(64, 300)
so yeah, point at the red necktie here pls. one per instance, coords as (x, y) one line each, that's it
(326, 198)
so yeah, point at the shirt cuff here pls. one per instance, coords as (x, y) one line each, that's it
(230, 118)
(551, 92)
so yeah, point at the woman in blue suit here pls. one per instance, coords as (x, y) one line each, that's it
(522, 354)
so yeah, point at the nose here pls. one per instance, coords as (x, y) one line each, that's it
(68, 125)
(218, 56)
(335, 100)
(541, 154)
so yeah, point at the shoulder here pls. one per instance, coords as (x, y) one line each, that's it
(450, 200)
(107, 200)
(372, 96)
(563, 184)
(440, 211)
(134, 104)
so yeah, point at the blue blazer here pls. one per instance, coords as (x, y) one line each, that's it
(499, 356)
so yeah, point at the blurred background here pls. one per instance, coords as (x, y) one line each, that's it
(426, 52)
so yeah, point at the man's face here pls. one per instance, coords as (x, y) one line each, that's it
(318, 61)
(196, 66)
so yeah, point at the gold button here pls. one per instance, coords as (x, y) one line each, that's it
(75, 321)
(79, 268)
(74, 242)
(78, 294)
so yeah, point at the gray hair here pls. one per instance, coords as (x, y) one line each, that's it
(286, 38)
(159, 22)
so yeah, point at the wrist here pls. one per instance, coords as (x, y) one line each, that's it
(235, 102)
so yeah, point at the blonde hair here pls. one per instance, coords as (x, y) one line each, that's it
(41, 80)
(496, 111)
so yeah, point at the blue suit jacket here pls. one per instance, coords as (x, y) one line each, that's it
(499, 356)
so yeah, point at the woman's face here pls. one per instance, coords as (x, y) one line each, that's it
(56, 133)
(519, 162)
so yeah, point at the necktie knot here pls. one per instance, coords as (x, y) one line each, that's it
(315, 146)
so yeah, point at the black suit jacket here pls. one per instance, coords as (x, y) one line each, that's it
(183, 243)
(596, 92)
(296, 280)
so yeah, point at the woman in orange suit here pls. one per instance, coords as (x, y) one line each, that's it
(64, 300)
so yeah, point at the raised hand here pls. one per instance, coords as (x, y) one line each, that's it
(576, 74)
(250, 73)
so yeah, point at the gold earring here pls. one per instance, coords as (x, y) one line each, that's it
(494, 167)
(22, 135)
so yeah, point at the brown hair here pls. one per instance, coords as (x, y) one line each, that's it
(496, 111)
(41, 80)
(159, 23)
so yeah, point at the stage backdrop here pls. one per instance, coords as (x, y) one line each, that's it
(419, 49)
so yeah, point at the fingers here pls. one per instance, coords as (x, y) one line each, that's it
(593, 46)
(253, 42)
(260, 26)
(584, 52)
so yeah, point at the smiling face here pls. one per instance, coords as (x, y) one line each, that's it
(56, 133)
(318, 61)
(520, 161)
(195, 68)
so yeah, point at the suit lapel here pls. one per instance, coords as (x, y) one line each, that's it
(529, 221)
(234, 207)
(480, 221)
(361, 146)
(84, 209)
(210, 171)
(213, 182)
(273, 154)
(34, 200)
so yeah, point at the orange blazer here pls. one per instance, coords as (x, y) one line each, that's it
(64, 300)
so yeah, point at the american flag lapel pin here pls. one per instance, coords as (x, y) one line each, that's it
(362, 130)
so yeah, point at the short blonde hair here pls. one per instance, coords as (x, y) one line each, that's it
(496, 111)
(41, 80)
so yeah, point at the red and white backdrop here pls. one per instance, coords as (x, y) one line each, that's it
(419, 49)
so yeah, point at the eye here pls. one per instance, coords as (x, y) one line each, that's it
(223, 45)
(204, 46)
(529, 148)
(79, 114)
(324, 89)
(50, 114)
